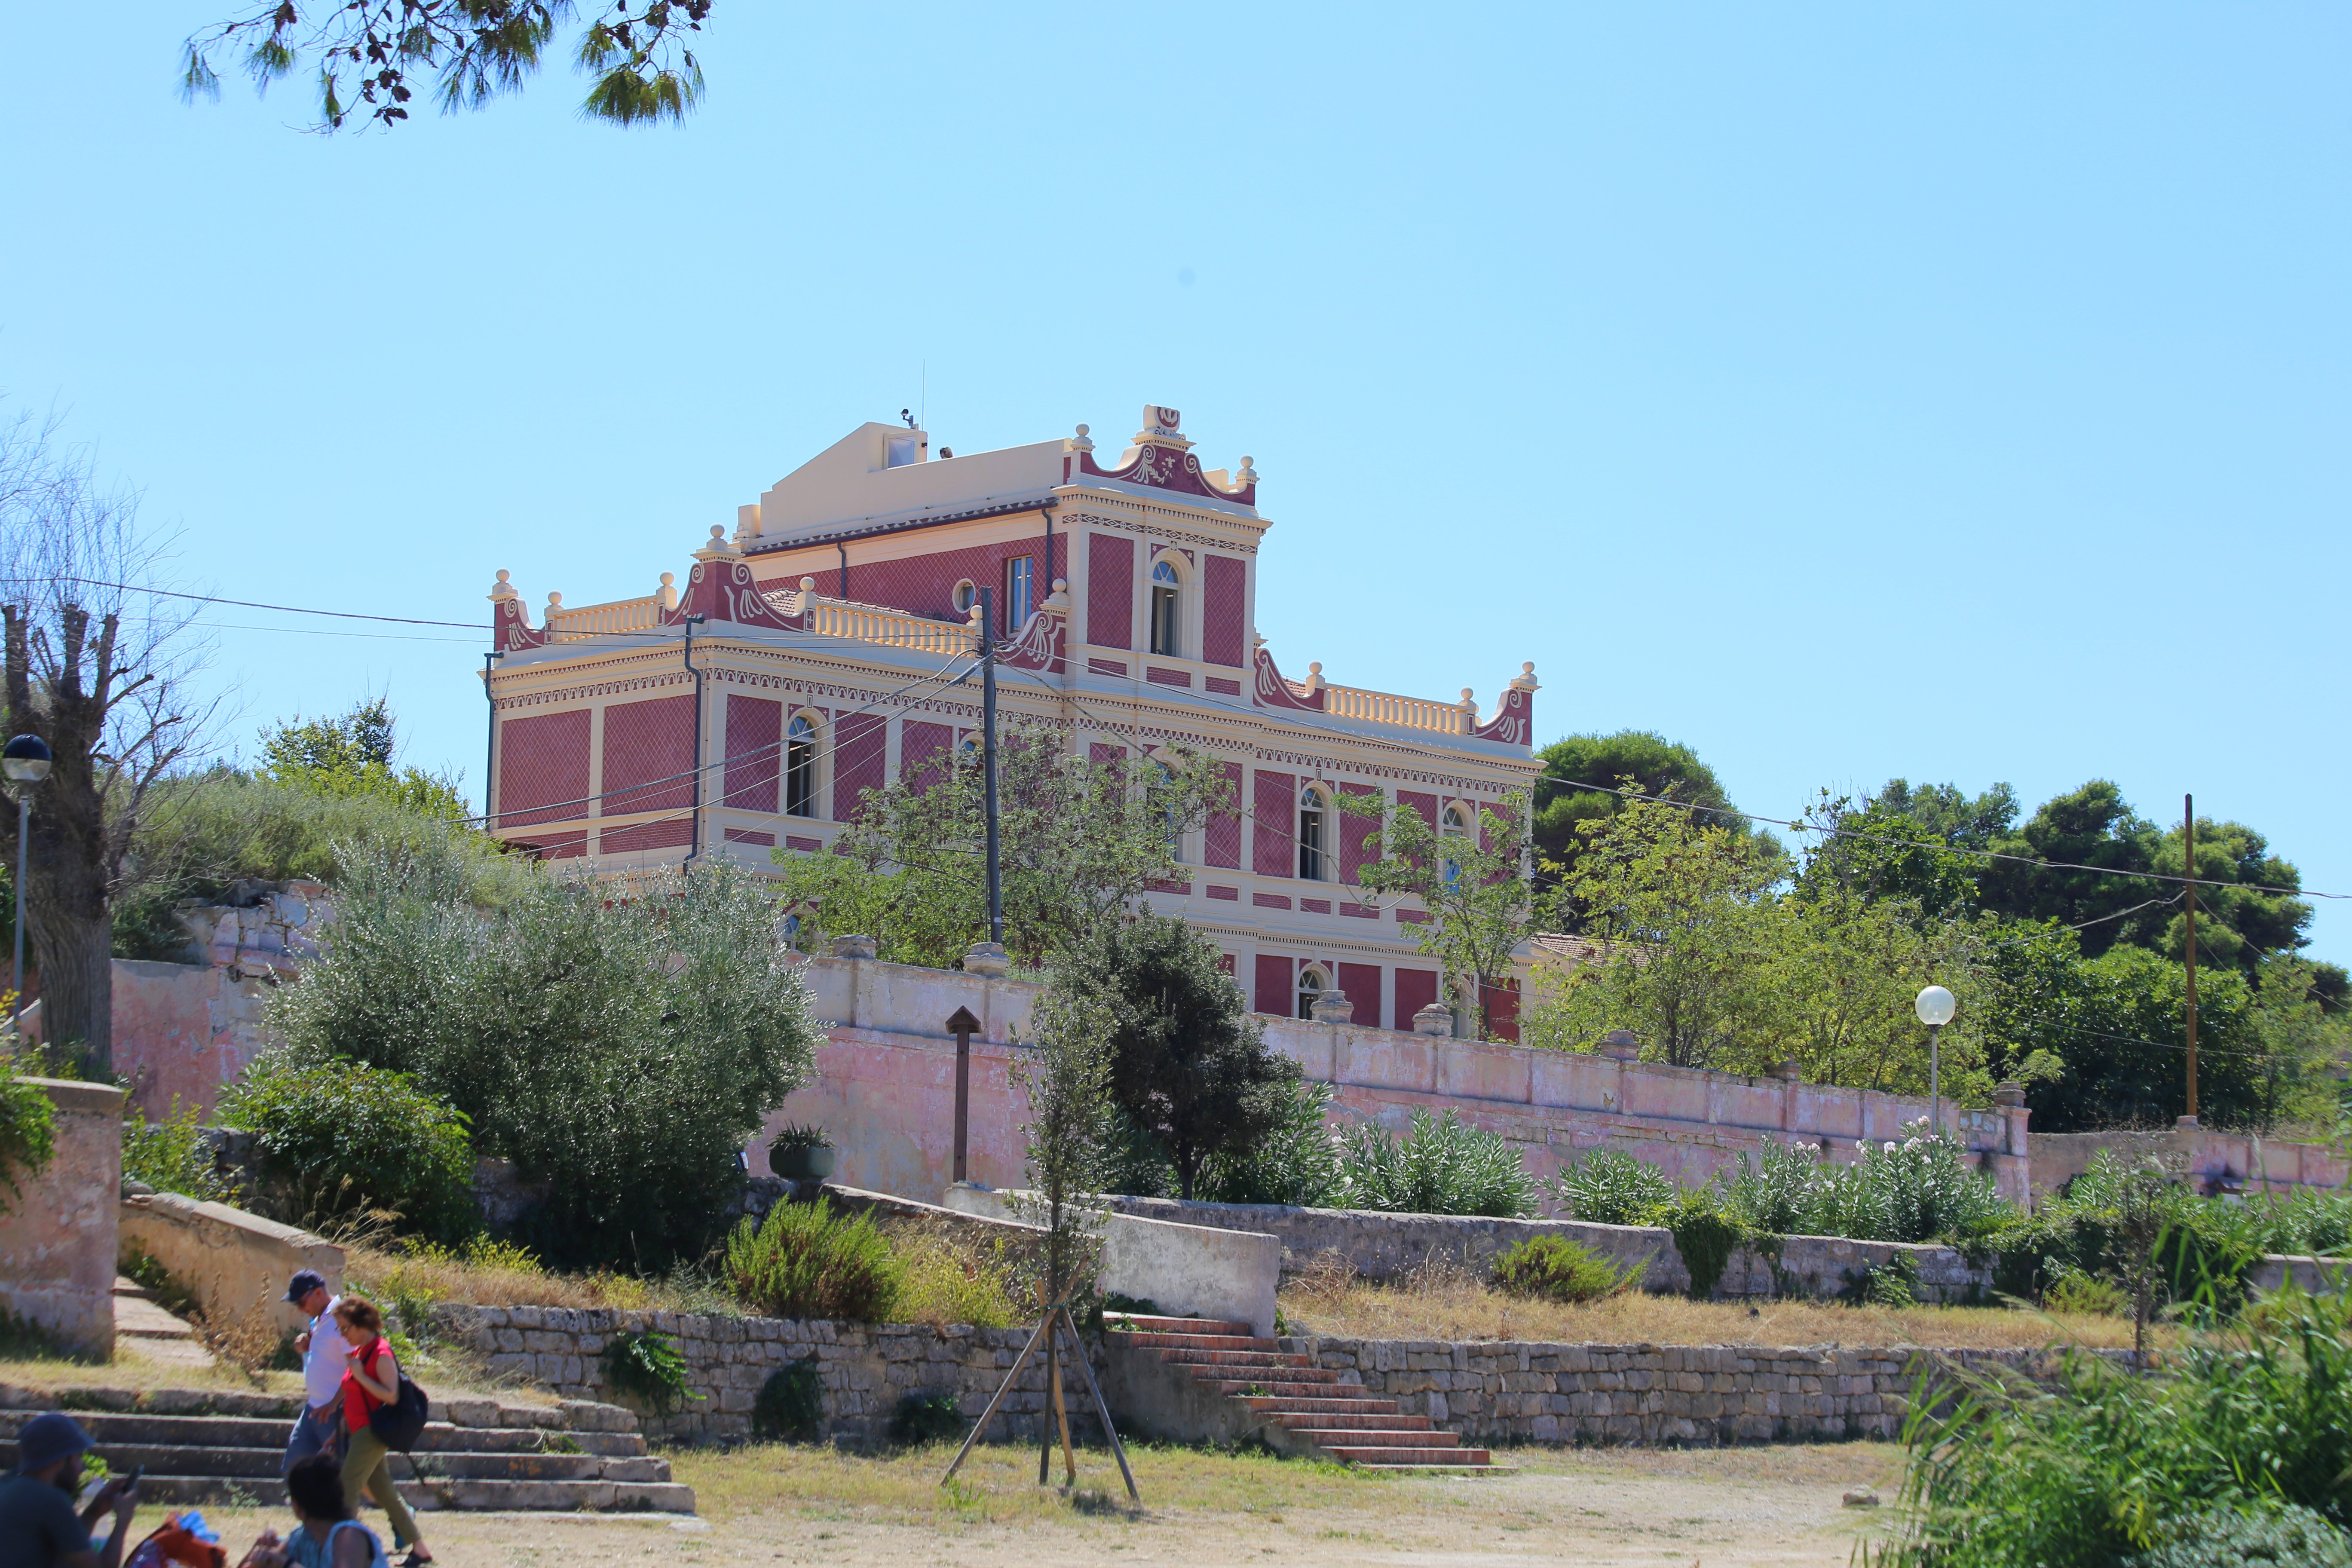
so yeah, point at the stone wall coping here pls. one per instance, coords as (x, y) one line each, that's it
(183, 1210)
(71, 1094)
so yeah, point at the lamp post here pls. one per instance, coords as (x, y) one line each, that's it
(26, 760)
(1935, 1006)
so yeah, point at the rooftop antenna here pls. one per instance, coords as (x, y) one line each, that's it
(923, 391)
(908, 415)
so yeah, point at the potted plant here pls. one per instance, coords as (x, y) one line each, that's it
(800, 1154)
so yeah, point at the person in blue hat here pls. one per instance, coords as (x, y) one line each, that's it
(39, 1527)
(324, 1353)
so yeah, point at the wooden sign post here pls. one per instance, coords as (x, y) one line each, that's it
(961, 1025)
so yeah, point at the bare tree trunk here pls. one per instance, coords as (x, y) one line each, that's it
(77, 961)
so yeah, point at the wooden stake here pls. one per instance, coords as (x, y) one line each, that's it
(1102, 1412)
(1012, 1376)
(1062, 1411)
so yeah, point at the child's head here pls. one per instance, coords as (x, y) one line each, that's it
(315, 1486)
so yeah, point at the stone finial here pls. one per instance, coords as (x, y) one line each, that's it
(2009, 1093)
(717, 548)
(972, 617)
(1078, 443)
(853, 947)
(1333, 1007)
(1247, 475)
(502, 588)
(1525, 680)
(988, 960)
(1058, 600)
(554, 603)
(1620, 1044)
(1162, 426)
(666, 594)
(1314, 676)
(1436, 1019)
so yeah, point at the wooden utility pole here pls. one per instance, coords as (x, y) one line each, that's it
(961, 1025)
(2189, 890)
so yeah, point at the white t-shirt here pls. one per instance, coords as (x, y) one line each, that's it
(323, 1363)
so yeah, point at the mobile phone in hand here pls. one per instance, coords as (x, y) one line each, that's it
(131, 1476)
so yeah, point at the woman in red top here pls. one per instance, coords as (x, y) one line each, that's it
(371, 1381)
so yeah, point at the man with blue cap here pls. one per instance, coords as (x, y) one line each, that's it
(323, 1352)
(39, 1527)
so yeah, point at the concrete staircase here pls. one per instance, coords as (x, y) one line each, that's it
(1194, 1379)
(200, 1446)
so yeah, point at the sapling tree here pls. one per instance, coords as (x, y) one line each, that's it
(1066, 1138)
(1473, 886)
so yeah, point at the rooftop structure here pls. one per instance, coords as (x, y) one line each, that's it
(809, 655)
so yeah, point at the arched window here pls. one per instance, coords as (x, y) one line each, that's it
(1314, 862)
(962, 597)
(1453, 824)
(799, 767)
(1311, 986)
(1164, 585)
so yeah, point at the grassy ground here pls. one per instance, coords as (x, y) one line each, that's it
(1441, 1304)
(1726, 1508)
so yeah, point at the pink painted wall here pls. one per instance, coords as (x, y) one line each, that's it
(1224, 633)
(1110, 590)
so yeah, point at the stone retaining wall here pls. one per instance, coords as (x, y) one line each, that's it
(1384, 1246)
(1502, 1391)
(57, 1234)
(863, 1369)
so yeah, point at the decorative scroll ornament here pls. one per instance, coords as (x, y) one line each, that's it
(1162, 461)
(1040, 646)
(1273, 691)
(509, 622)
(724, 590)
(1514, 723)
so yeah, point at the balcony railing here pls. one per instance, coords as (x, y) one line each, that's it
(1405, 712)
(875, 623)
(599, 620)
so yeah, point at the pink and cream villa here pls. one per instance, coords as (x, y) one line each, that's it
(813, 653)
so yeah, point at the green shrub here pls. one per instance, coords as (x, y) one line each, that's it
(1607, 1187)
(1300, 1161)
(2074, 1292)
(1554, 1268)
(1705, 1234)
(927, 1419)
(619, 1050)
(2289, 1537)
(790, 1405)
(171, 1156)
(336, 1140)
(27, 1134)
(2255, 1412)
(1440, 1167)
(806, 1261)
(1922, 1188)
(647, 1366)
(1894, 1283)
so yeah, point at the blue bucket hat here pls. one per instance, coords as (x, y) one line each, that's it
(47, 1438)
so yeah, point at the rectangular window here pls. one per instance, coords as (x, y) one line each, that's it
(904, 450)
(1017, 601)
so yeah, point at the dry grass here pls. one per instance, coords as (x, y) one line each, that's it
(507, 1276)
(1449, 1303)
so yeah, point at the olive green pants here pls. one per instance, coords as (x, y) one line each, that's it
(365, 1470)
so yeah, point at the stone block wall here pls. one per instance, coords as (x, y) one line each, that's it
(58, 1236)
(1501, 1392)
(863, 1369)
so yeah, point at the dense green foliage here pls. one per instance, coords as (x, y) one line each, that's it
(618, 1049)
(647, 1366)
(2105, 1465)
(1607, 1186)
(27, 1136)
(1080, 842)
(1919, 1188)
(1067, 1142)
(1299, 1159)
(2285, 1536)
(171, 1156)
(1440, 1166)
(1576, 790)
(805, 1261)
(790, 1405)
(1190, 1068)
(1554, 1268)
(336, 1140)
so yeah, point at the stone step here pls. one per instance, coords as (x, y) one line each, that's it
(111, 1430)
(262, 1464)
(1342, 1419)
(596, 1496)
(1467, 1471)
(1269, 1404)
(1382, 1438)
(1147, 1324)
(124, 1286)
(1276, 1387)
(1194, 1341)
(1392, 1454)
(1237, 1358)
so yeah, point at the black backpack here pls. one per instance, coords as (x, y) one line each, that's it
(400, 1423)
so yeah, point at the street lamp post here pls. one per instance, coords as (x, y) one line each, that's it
(1935, 1006)
(26, 760)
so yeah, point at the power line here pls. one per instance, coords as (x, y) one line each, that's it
(253, 604)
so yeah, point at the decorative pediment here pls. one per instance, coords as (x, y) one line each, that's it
(511, 628)
(1162, 461)
(1514, 723)
(1273, 691)
(723, 589)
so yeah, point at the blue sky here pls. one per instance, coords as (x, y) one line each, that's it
(1952, 393)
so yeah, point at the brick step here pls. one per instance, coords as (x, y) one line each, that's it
(1467, 1471)
(1378, 1438)
(1275, 1387)
(1271, 1405)
(1147, 1324)
(1238, 1358)
(1356, 1454)
(1343, 1420)
(1193, 1341)
(600, 1496)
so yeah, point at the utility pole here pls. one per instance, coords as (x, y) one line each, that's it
(988, 760)
(2189, 890)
